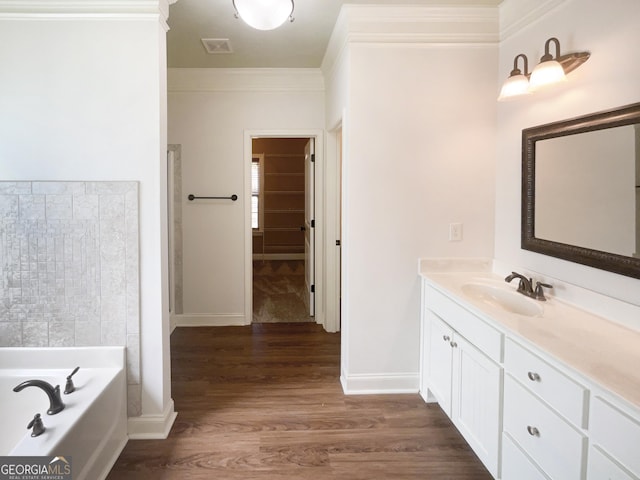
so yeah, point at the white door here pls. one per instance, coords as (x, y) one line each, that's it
(309, 223)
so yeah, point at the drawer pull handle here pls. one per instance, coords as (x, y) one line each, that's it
(534, 377)
(446, 338)
(533, 431)
(453, 344)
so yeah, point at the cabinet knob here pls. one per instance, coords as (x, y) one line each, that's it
(453, 344)
(446, 338)
(534, 377)
(533, 431)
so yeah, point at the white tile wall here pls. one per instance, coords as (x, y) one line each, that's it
(69, 263)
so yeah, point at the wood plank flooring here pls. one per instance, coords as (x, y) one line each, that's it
(265, 402)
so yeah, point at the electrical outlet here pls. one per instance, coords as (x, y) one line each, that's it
(455, 232)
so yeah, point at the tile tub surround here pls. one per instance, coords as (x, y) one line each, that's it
(69, 268)
(602, 351)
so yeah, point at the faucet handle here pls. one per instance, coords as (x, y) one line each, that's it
(70, 387)
(539, 291)
(38, 426)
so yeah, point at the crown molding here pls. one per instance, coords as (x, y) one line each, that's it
(244, 79)
(83, 8)
(411, 24)
(515, 15)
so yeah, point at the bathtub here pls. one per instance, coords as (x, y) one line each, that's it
(92, 428)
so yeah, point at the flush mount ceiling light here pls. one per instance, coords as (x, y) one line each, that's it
(550, 70)
(264, 14)
(518, 83)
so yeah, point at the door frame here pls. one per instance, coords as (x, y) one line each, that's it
(319, 136)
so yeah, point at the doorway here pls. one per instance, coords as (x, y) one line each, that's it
(283, 229)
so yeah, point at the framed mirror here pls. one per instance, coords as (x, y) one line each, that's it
(581, 190)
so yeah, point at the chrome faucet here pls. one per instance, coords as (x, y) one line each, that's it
(525, 286)
(55, 401)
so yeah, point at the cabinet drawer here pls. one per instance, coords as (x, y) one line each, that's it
(516, 465)
(550, 441)
(562, 393)
(616, 433)
(602, 467)
(479, 333)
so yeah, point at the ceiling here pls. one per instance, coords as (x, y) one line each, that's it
(300, 44)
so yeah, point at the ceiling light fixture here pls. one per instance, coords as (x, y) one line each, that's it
(264, 14)
(550, 70)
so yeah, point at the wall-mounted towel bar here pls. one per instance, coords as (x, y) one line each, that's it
(192, 197)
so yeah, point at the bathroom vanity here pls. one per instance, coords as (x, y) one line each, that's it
(539, 390)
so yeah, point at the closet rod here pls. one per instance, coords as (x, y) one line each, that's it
(233, 197)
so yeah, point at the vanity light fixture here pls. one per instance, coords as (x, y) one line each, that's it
(518, 83)
(264, 14)
(550, 70)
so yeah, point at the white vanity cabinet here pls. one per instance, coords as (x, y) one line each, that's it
(465, 381)
(537, 398)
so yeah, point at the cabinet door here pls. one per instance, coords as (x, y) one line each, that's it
(475, 402)
(439, 361)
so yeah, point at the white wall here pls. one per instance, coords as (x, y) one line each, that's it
(83, 98)
(209, 112)
(419, 154)
(606, 81)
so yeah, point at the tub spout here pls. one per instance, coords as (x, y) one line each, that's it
(55, 401)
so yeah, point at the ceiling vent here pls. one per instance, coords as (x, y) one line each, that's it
(217, 46)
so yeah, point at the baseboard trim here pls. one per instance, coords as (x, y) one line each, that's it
(152, 427)
(372, 384)
(172, 323)
(210, 320)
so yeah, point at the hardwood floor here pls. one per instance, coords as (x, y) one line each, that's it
(265, 402)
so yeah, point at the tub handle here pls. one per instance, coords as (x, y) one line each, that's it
(70, 387)
(38, 426)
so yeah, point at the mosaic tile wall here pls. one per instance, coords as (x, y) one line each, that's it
(69, 268)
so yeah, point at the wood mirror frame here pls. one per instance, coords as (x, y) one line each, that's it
(612, 262)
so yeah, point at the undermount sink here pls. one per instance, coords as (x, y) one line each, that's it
(508, 300)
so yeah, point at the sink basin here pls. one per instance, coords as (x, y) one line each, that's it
(508, 300)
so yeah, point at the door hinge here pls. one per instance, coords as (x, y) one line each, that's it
(313, 157)
(338, 243)
(313, 289)
(313, 224)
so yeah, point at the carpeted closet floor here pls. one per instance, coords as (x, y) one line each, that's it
(279, 292)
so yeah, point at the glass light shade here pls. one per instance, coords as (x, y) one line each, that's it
(264, 14)
(546, 73)
(514, 86)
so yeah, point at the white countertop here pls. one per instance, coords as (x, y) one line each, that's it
(601, 350)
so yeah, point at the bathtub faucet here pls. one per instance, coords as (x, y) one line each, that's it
(55, 402)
